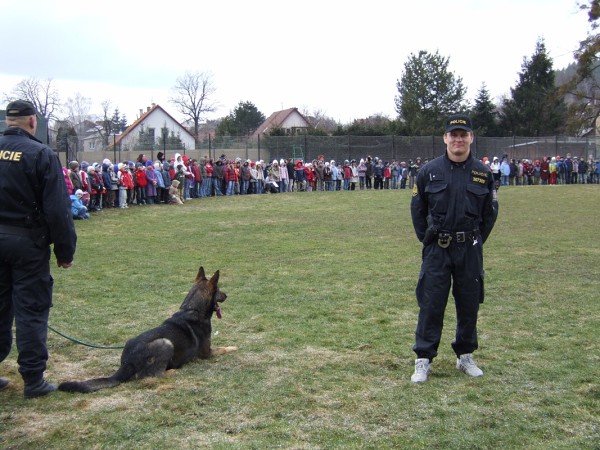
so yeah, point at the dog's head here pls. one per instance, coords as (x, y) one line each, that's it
(205, 296)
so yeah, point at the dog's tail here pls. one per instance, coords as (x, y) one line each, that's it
(92, 385)
(95, 384)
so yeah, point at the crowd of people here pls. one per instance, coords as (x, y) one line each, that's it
(96, 186)
(547, 171)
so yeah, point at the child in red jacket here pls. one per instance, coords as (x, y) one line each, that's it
(140, 186)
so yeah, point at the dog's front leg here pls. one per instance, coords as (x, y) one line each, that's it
(216, 351)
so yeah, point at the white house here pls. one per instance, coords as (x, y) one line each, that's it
(151, 123)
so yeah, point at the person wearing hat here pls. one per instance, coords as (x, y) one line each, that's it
(274, 173)
(369, 172)
(495, 168)
(175, 193)
(245, 177)
(454, 207)
(284, 176)
(78, 209)
(36, 212)
(403, 174)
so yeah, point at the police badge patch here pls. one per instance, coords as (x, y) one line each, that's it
(415, 191)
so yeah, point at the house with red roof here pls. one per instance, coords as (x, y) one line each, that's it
(290, 120)
(146, 132)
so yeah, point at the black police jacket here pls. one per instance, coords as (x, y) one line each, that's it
(454, 197)
(33, 192)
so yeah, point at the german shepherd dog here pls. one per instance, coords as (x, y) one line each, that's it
(180, 339)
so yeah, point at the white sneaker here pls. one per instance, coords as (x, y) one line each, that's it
(466, 364)
(422, 370)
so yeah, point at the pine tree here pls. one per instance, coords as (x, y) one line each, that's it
(427, 93)
(243, 120)
(535, 108)
(484, 114)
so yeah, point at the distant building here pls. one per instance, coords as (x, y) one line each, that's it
(290, 120)
(149, 126)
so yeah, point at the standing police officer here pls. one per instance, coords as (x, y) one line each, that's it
(34, 212)
(454, 208)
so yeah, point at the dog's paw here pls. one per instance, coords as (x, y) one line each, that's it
(216, 351)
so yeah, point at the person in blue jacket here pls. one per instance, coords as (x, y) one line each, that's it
(78, 209)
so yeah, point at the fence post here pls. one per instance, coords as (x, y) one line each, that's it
(305, 147)
(349, 157)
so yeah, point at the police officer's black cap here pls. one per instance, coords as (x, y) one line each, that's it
(459, 122)
(20, 108)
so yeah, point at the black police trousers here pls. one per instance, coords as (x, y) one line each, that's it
(25, 298)
(459, 265)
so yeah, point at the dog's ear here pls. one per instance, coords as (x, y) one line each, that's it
(200, 277)
(214, 280)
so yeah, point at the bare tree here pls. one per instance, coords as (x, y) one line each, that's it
(41, 93)
(193, 97)
(319, 120)
(582, 89)
(78, 115)
(106, 128)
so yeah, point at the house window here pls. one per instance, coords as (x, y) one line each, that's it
(151, 134)
(92, 145)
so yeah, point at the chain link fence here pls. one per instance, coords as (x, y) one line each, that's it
(340, 148)
(404, 148)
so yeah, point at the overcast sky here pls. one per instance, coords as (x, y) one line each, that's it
(342, 58)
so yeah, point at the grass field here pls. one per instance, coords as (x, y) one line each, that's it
(321, 304)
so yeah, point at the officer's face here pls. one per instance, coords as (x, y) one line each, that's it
(458, 144)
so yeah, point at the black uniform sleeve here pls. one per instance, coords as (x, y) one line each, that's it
(490, 210)
(56, 206)
(419, 207)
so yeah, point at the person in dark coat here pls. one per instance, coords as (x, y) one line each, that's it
(454, 207)
(36, 211)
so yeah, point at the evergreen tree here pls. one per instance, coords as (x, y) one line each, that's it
(243, 120)
(376, 125)
(427, 93)
(484, 114)
(118, 124)
(146, 140)
(535, 109)
(168, 140)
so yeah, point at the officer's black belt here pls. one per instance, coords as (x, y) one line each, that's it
(460, 237)
(20, 231)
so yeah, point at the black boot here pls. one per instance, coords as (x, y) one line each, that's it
(3, 383)
(38, 389)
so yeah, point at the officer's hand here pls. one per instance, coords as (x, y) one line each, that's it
(64, 265)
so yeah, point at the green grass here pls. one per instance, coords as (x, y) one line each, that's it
(321, 304)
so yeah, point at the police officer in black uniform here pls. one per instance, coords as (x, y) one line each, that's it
(34, 212)
(454, 208)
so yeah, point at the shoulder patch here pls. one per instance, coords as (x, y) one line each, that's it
(479, 177)
(415, 190)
